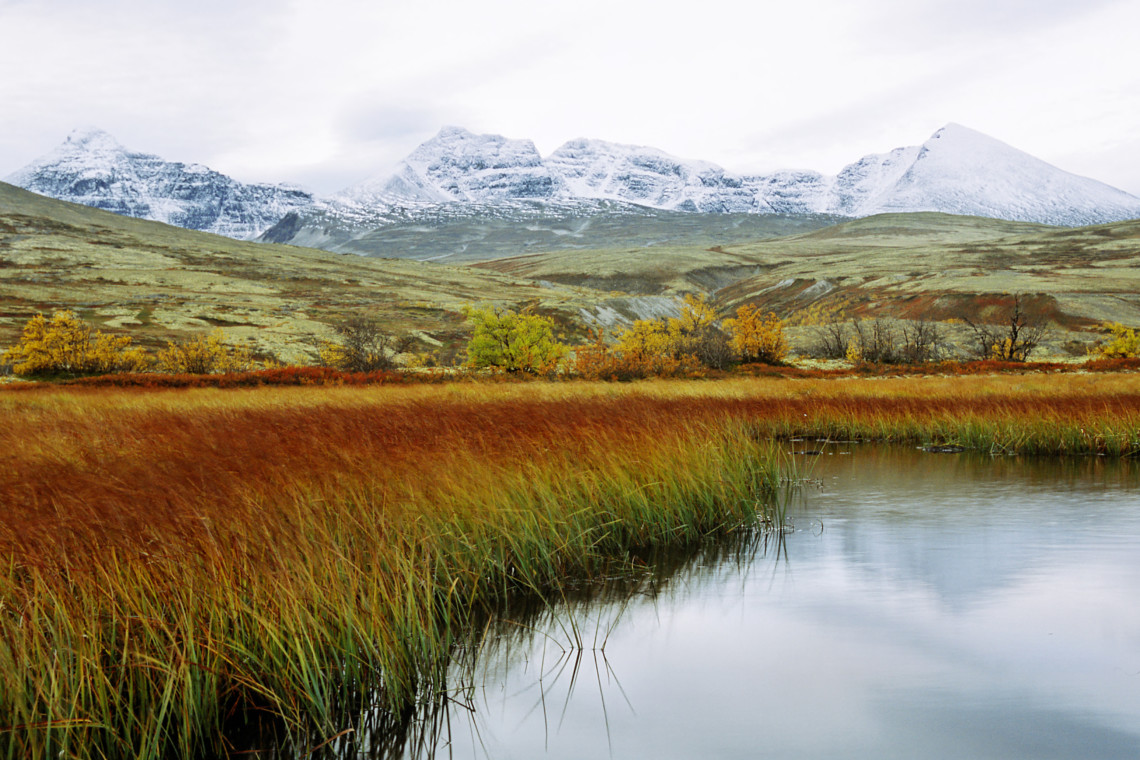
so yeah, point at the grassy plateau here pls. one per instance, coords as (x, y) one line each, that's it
(181, 563)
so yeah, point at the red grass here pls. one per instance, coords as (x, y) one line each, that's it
(143, 478)
(292, 375)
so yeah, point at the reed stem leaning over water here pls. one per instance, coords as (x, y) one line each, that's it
(176, 562)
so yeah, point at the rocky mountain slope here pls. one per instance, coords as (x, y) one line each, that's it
(457, 166)
(650, 177)
(93, 169)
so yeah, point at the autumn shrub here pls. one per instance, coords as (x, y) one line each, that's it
(1124, 343)
(598, 361)
(757, 337)
(66, 345)
(508, 341)
(645, 339)
(204, 355)
(675, 344)
(696, 333)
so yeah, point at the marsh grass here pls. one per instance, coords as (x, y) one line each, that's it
(177, 567)
(180, 564)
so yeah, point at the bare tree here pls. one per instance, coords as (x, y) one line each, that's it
(922, 342)
(876, 341)
(831, 340)
(362, 345)
(1013, 342)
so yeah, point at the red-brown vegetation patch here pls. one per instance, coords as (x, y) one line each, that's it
(165, 479)
(293, 375)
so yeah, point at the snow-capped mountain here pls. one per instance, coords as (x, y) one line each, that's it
(961, 171)
(92, 168)
(957, 171)
(461, 175)
(458, 166)
(650, 177)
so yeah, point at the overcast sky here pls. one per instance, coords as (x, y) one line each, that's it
(329, 93)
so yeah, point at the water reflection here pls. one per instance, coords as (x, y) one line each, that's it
(923, 605)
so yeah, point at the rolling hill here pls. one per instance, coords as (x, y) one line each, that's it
(158, 282)
(918, 265)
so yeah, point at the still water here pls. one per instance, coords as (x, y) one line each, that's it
(918, 606)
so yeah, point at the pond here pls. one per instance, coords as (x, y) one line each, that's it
(918, 605)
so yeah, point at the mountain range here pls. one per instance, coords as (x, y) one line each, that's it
(461, 175)
(90, 167)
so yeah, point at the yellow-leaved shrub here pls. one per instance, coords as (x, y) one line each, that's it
(1125, 343)
(757, 337)
(690, 340)
(66, 345)
(507, 341)
(204, 355)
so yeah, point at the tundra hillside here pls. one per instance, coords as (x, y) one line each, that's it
(156, 283)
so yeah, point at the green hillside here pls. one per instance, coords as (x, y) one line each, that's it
(157, 282)
(925, 265)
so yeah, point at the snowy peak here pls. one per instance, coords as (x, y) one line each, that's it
(460, 166)
(92, 168)
(960, 149)
(958, 171)
(962, 171)
(646, 176)
(91, 139)
(87, 154)
(955, 132)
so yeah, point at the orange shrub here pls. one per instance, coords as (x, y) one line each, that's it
(629, 360)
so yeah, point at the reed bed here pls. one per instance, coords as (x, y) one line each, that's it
(177, 563)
